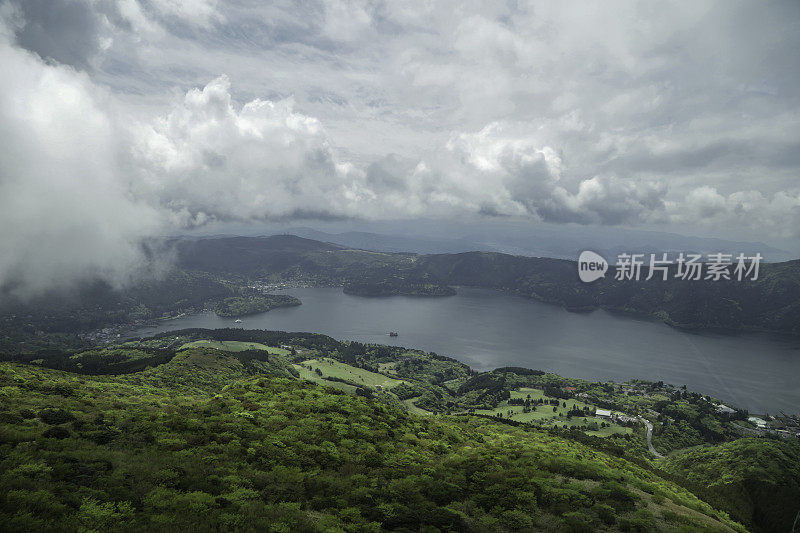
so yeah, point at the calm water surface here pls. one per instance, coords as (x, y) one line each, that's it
(488, 329)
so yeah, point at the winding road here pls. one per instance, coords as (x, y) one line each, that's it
(650, 436)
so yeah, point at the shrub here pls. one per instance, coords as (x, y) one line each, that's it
(642, 521)
(579, 522)
(56, 432)
(10, 418)
(605, 513)
(55, 416)
(675, 518)
(96, 516)
(616, 495)
(514, 519)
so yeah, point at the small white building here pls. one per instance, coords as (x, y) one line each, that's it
(759, 422)
(722, 408)
(603, 413)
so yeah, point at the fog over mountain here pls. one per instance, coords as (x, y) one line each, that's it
(125, 120)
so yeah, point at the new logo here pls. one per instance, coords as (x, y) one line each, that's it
(591, 266)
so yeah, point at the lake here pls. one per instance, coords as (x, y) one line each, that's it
(488, 329)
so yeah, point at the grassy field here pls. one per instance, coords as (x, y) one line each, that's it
(310, 375)
(412, 407)
(333, 368)
(388, 368)
(454, 384)
(544, 414)
(372, 380)
(234, 346)
(330, 368)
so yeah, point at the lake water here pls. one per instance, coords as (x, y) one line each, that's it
(488, 329)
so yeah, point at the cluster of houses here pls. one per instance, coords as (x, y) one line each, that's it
(614, 417)
(784, 426)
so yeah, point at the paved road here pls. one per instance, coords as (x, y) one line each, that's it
(650, 436)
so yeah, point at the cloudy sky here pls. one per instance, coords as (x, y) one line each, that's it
(125, 119)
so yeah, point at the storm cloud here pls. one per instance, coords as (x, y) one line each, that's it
(133, 118)
(65, 210)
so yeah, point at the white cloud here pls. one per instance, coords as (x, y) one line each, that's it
(209, 158)
(200, 13)
(346, 20)
(604, 113)
(64, 213)
(778, 215)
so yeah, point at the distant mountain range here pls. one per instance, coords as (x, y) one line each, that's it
(771, 303)
(208, 270)
(559, 243)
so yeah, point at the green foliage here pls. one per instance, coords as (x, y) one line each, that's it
(249, 305)
(677, 435)
(55, 416)
(756, 480)
(95, 516)
(195, 383)
(233, 346)
(605, 513)
(642, 521)
(201, 444)
(580, 521)
(397, 285)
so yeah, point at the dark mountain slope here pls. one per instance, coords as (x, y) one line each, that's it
(246, 254)
(758, 479)
(770, 303)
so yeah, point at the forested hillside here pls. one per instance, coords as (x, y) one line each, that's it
(757, 480)
(259, 430)
(208, 443)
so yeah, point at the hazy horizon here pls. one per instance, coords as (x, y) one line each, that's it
(517, 237)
